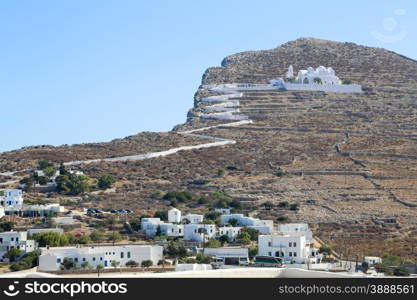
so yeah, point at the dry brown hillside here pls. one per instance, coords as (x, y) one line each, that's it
(350, 160)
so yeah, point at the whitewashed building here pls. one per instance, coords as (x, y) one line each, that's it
(263, 226)
(11, 198)
(229, 231)
(15, 239)
(193, 218)
(51, 258)
(222, 210)
(199, 232)
(290, 248)
(174, 215)
(229, 255)
(170, 229)
(297, 228)
(371, 260)
(150, 225)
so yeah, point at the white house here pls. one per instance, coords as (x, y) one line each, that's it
(174, 215)
(199, 232)
(297, 228)
(15, 239)
(222, 210)
(11, 198)
(193, 218)
(150, 225)
(230, 231)
(50, 259)
(35, 210)
(229, 255)
(371, 260)
(290, 248)
(263, 226)
(170, 229)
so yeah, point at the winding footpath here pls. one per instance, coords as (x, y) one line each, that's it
(223, 108)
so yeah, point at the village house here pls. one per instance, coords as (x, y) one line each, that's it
(199, 232)
(192, 218)
(15, 239)
(51, 258)
(263, 226)
(229, 255)
(11, 198)
(229, 231)
(174, 215)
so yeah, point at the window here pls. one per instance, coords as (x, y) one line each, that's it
(58, 260)
(269, 244)
(101, 259)
(128, 254)
(122, 254)
(289, 244)
(290, 254)
(17, 239)
(295, 244)
(83, 258)
(295, 254)
(94, 259)
(12, 239)
(269, 254)
(76, 259)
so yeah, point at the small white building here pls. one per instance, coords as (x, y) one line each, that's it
(11, 198)
(192, 218)
(15, 239)
(197, 232)
(51, 259)
(222, 210)
(290, 248)
(320, 75)
(150, 225)
(297, 228)
(229, 255)
(170, 229)
(229, 231)
(263, 226)
(372, 260)
(174, 215)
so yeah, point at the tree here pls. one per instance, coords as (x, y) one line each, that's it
(224, 239)
(254, 233)
(73, 184)
(213, 243)
(268, 205)
(233, 222)
(86, 265)
(243, 238)
(203, 259)
(346, 81)
(98, 268)
(325, 249)
(6, 226)
(132, 264)
(135, 224)
(365, 266)
(147, 263)
(115, 263)
(68, 263)
(106, 181)
(85, 239)
(294, 206)
(221, 173)
(13, 254)
(162, 214)
(97, 236)
(158, 231)
(43, 164)
(401, 271)
(115, 237)
(52, 239)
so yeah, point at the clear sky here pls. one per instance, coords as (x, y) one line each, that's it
(75, 71)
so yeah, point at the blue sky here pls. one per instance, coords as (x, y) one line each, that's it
(75, 71)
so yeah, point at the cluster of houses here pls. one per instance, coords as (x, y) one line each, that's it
(11, 203)
(192, 226)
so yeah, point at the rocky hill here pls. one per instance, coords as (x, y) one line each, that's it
(345, 163)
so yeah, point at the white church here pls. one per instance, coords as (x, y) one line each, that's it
(319, 79)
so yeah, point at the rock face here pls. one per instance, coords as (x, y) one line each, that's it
(344, 161)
